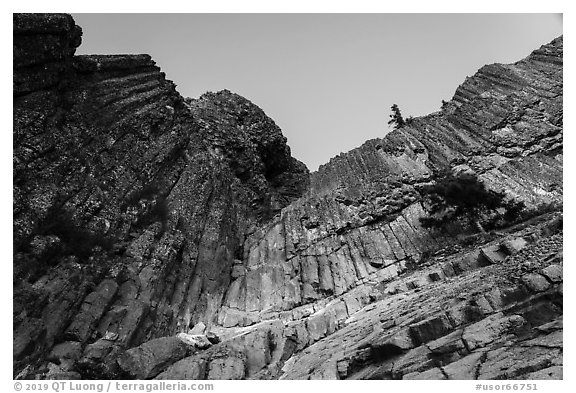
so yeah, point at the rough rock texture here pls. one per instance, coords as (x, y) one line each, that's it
(127, 215)
(143, 219)
(453, 318)
(148, 359)
(360, 221)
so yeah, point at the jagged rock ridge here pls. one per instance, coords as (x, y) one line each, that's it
(361, 218)
(194, 214)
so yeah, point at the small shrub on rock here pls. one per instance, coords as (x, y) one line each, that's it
(464, 197)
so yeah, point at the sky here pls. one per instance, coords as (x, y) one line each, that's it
(327, 80)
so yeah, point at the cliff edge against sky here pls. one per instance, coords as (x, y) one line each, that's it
(157, 236)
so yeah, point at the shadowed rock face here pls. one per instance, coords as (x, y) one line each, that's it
(139, 214)
(117, 179)
(253, 147)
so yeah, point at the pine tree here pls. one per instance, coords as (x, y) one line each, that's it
(396, 118)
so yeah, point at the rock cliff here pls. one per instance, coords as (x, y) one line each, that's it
(163, 237)
(130, 204)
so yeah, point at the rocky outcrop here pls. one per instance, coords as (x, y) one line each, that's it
(42, 51)
(458, 316)
(127, 218)
(481, 323)
(360, 221)
(254, 148)
(171, 238)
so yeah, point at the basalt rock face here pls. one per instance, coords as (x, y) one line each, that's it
(170, 238)
(360, 221)
(127, 217)
(348, 268)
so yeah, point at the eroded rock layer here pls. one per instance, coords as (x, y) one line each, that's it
(127, 216)
(171, 238)
(360, 221)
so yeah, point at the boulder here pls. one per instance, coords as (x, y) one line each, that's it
(149, 359)
(199, 328)
(492, 328)
(199, 341)
(492, 254)
(512, 246)
(535, 282)
(553, 273)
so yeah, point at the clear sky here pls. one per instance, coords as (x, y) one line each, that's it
(328, 80)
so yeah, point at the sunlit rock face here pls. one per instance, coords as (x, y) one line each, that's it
(163, 237)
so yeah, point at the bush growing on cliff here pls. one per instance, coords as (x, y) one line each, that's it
(464, 197)
(54, 238)
(76, 240)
